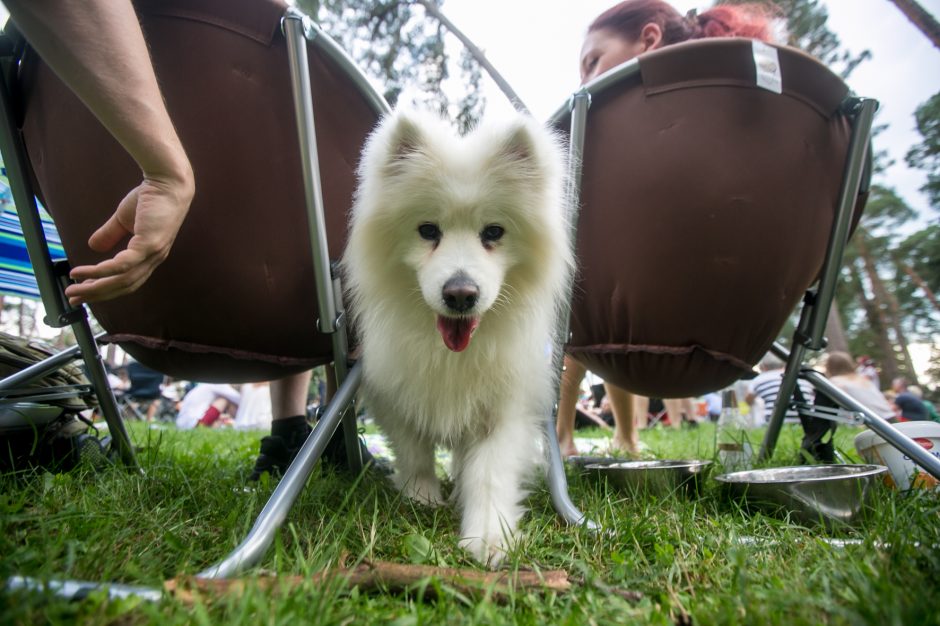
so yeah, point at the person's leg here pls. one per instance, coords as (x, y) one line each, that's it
(289, 396)
(289, 427)
(152, 409)
(641, 411)
(625, 431)
(567, 401)
(674, 408)
(688, 406)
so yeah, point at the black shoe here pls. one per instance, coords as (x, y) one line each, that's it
(277, 452)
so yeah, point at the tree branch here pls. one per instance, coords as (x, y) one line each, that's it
(920, 18)
(477, 54)
(383, 575)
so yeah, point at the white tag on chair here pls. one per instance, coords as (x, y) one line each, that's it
(767, 64)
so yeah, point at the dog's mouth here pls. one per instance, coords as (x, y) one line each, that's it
(456, 331)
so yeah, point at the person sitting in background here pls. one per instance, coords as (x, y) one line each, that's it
(932, 413)
(254, 407)
(866, 367)
(842, 373)
(205, 404)
(766, 385)
(118, 380)
(911, 407)
(713, 405)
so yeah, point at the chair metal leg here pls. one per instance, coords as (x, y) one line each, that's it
(817, 303)
(96, 372)
(872, 420)
(558, 483)
(788, 384)
(878, 424)
(332, 319)
(272, 516)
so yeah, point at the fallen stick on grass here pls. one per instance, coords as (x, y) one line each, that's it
(371, 575)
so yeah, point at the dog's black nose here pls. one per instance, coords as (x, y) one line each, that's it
(460, 293)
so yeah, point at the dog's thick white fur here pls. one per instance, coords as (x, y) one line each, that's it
(457, 263)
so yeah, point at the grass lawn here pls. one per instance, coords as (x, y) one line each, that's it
(694, 560)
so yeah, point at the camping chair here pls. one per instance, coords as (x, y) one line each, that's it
(226, 71)
(732, 172)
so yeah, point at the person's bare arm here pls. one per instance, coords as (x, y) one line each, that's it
(98, 49)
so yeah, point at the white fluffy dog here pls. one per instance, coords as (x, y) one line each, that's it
(456, 265)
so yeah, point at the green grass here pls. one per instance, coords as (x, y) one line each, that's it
(685, 555)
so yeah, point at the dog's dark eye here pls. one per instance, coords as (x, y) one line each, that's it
(493, 232)
(429, 231)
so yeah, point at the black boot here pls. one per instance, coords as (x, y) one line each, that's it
(280, 447)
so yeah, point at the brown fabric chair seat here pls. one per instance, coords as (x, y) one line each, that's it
(236, 299)
(707, 204)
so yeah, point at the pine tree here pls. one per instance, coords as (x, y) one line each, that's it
(926, 155)
(921, 18)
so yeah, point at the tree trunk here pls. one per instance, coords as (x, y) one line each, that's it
(887, 307)
(931, 296)
(835, 331)
(889, 367)
(920, 18)
(902, 342)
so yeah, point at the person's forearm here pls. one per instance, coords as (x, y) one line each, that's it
(97, 48)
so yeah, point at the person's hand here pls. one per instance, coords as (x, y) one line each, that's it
(152, 214)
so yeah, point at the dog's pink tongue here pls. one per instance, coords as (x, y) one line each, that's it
(456, 331)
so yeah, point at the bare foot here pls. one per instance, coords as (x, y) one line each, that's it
(619, 446)
(567, 448)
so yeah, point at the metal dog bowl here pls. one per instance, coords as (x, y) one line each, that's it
(830, 494)
(656, 477)
(581, 462)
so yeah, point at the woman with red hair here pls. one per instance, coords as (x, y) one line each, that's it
(621, 33)
(633, 27)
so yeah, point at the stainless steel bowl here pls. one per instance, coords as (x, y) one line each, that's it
(829, 494)
(656, 477)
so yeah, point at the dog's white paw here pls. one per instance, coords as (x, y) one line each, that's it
(489, 551)
(423, 490)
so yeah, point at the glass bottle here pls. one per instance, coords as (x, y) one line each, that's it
(735, 452)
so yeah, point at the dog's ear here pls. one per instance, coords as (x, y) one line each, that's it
(519, 144)
(406, 138)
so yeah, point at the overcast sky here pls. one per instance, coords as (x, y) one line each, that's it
(535, 44)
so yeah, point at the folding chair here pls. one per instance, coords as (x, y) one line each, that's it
(694, 171)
